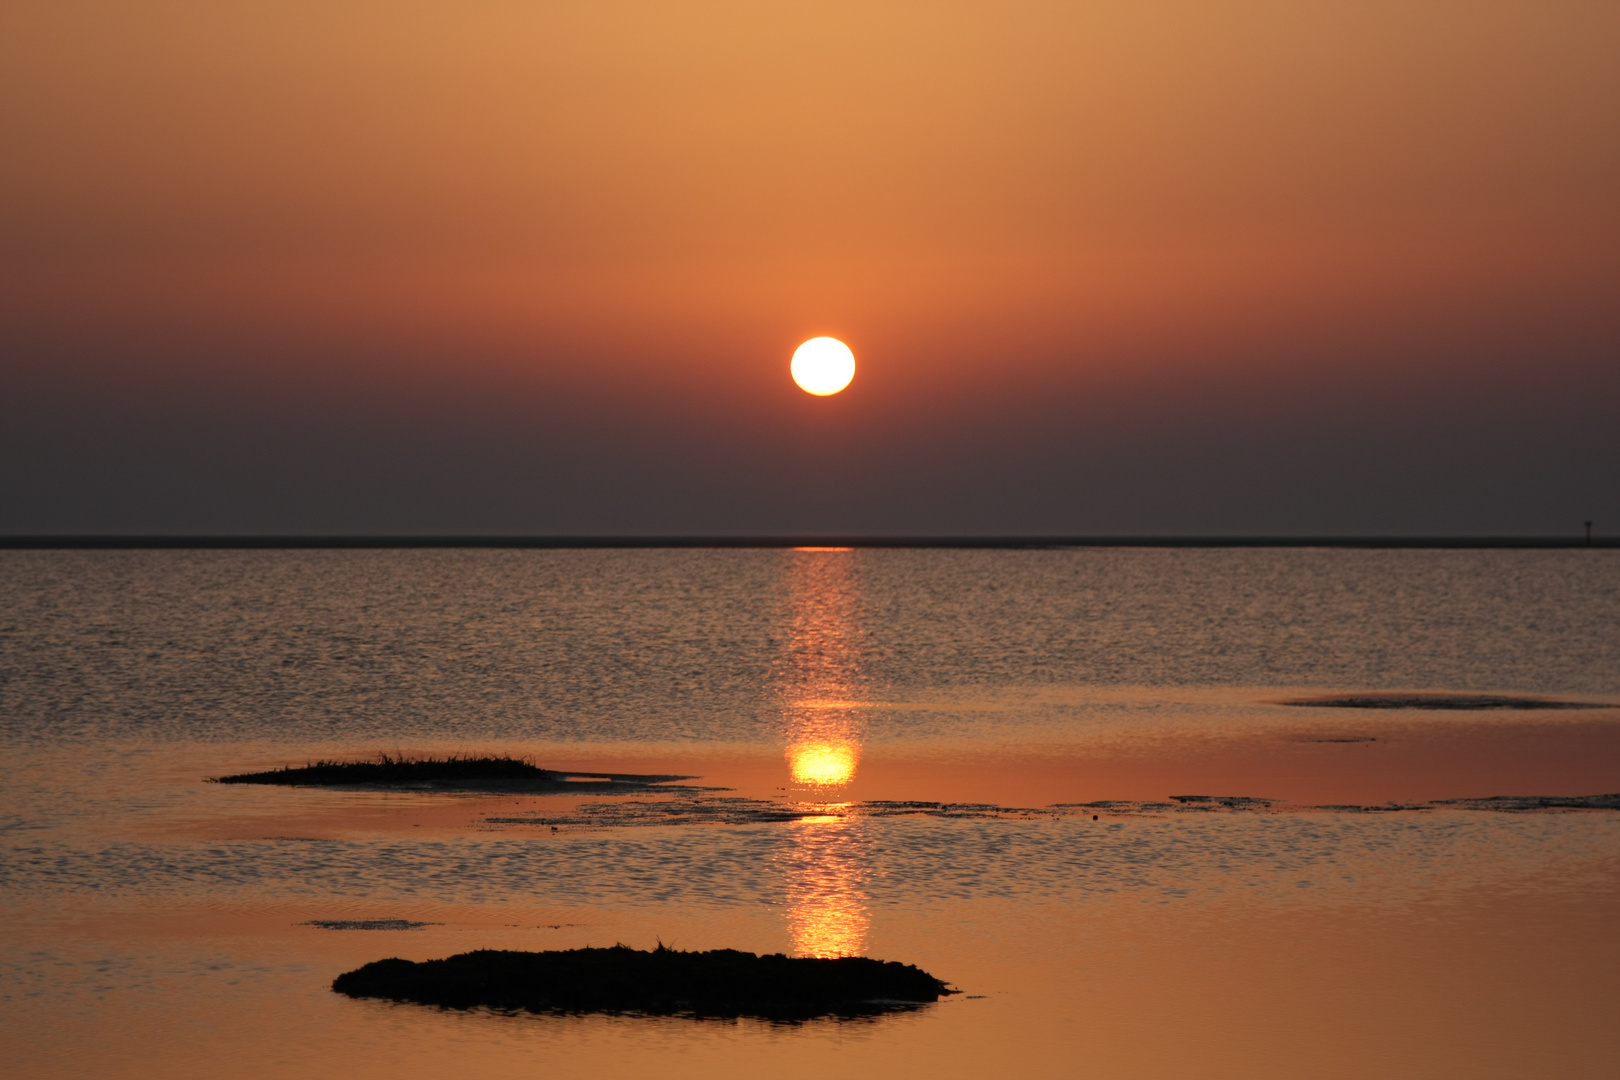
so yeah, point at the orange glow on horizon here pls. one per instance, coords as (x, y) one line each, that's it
(589, 188)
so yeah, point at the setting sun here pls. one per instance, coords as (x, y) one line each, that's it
(823, 366)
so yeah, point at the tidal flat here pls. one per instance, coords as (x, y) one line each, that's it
(1067, 780)
(717, 984)
(487, 773)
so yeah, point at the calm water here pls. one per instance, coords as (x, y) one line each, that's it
(156, 923)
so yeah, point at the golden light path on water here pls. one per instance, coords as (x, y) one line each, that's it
(827, 913)
(824, 867)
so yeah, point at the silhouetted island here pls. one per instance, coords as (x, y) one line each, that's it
(662, 982)
(453, 773)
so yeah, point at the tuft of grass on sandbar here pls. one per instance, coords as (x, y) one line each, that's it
(399, 771)
(659, 982)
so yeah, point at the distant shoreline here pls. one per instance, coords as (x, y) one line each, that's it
(116, 542)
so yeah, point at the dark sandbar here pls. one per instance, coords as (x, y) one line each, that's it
(662, 982)
(1515, 803)
(1440, 701)
(483, 774)
(367, 924)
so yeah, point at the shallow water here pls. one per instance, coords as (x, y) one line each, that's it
(160, 925)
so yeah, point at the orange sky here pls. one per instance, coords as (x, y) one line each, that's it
(668, 195)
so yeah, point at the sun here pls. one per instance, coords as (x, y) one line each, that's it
(823, 366)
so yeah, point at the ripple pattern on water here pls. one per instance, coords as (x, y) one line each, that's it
(902, 861)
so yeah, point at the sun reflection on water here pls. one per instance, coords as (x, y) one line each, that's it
(820, 671)
(819, 682)
(827, 913)
(823, 764)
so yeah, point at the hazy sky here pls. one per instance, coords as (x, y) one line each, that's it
(1135, 267)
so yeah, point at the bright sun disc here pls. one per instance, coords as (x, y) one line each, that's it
(823, 366)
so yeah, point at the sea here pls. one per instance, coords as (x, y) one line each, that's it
(1155, 812)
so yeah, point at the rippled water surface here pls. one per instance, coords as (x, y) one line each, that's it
(1064, 780)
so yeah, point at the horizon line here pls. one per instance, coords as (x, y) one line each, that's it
(134, 541)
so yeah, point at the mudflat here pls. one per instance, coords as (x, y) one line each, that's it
(659, 982)
(499, 774)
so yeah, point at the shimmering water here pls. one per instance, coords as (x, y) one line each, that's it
(160, 925)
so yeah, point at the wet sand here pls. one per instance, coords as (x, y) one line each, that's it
(1372, 761)
(1512, 982)
(1479, 948)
